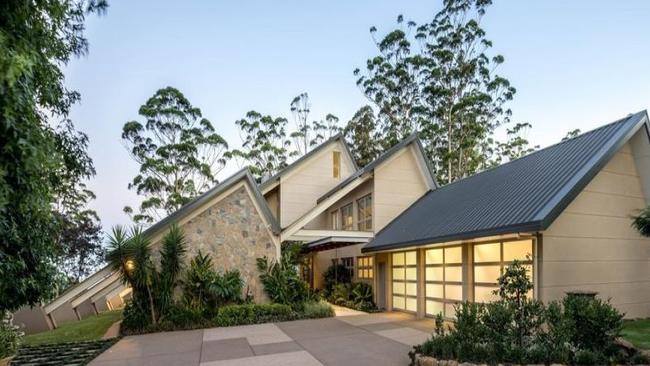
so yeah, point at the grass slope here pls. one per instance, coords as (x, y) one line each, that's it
(88, 329)
(637, 332)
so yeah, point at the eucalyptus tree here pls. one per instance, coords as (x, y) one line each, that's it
(37, 40)
(179, 153)
(264, 144)
(361, 135)
(439, 79)
(308, 135)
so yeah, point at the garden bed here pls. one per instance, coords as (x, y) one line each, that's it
(232, 315)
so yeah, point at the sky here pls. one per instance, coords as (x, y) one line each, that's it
(575, 64)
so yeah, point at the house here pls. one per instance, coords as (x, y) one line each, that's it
(563, 210)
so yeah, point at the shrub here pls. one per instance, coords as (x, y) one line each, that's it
(230, 315)
(10, 336)
(183, 317)
(317, 309)
(592, 324)
(134, 317)
(335, 274)
(580, 330)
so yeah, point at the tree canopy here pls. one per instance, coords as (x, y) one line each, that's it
(439, 78)
(179, 153)
(37, 38)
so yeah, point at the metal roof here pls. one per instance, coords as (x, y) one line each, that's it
(413, 138)
(524, 195)
(339, 136)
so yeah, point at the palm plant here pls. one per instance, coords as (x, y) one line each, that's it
(642, 222)
(198, 292)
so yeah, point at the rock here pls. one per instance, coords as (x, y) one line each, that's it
(427, 361)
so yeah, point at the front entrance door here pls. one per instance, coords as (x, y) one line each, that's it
(381, 285)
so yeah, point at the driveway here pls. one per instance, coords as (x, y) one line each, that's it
(367, 339)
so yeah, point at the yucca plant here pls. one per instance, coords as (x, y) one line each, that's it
(171, 264)
(130, 256)
(642, 222)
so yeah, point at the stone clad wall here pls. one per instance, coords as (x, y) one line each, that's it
(234, 235)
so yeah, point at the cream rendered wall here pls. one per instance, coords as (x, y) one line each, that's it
(322, 261)
(324, 220)
(300, 188)
(591, 245)
(398, 183)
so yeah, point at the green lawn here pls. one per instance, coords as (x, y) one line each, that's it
(637, 332)
(89, 329)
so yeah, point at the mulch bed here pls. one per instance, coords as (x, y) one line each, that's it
(69, 354)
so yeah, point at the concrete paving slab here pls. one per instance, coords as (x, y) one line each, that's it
(154, 344)
(363, 349)
(343, 311)
(265, 349)
(173, 359)
(380, 326)
(226, 349)
(406, 335)
(300, 358)
(255, 334)
(318, 328)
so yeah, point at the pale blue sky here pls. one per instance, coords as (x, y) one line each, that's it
(575, 64)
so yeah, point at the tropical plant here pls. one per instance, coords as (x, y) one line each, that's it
(198, 292)
(37, 40)
(130, 256)
(642, 222)
(282, 283)
(333, 275)
(205, 289)
(179, 153)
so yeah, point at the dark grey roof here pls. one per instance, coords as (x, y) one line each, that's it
(268, 182)
(524, 195)
(413, 138)
(216, 190)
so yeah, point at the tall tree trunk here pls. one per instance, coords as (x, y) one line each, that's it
(153, 311)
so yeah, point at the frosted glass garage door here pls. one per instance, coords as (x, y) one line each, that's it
(404, 281)
(443, 280)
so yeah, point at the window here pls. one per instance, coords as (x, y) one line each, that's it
(336, 164)
(404, 280)
(489, 261)
(348, 262)
(346, 217)
(443, 280)
(364, 213)
(336, 223)
(364, 268)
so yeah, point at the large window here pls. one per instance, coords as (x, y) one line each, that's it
(346, 217)
(405, 281)
(364, 213)
(443, 280)
(489, 261)
(364, 268)
(336, 164)
(348, 262)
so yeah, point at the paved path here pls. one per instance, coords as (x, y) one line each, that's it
(369, 339)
